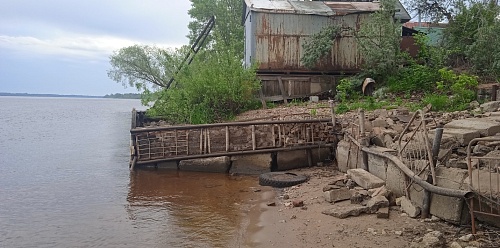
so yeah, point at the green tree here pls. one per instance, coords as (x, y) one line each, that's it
(144, 67)
(379, 41)
(228, 31)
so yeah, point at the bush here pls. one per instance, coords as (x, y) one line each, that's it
(415, 77)
(215, 87)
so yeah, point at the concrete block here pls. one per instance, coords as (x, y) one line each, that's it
(289, 160)
(383, 213)
(365, 179)
(408, 207)
(217, 164)
(395, 179)
(490, 106)
(348, 156)
(338, 194)
(342, 155)
(170, 165)
(378, 165)
(320, 154)
(377, 202)
(344, 211)
(463, 136)
(484, 126)
(254, 164)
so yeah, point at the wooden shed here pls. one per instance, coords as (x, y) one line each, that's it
(275, 32)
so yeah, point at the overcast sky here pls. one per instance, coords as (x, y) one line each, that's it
(63, 46)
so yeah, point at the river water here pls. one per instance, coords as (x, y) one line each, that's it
(65, 182)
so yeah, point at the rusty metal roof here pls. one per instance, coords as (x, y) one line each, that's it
(328, 8)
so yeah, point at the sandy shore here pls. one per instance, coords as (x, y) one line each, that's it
(283, 225)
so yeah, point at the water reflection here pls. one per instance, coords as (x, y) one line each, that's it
(189, 209)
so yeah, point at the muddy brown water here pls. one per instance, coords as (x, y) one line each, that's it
(65, 183)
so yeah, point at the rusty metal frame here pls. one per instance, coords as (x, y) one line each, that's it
(490, 195)
(172, 143)
(419, 140)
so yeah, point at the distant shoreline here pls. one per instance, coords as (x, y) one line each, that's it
(117, 95)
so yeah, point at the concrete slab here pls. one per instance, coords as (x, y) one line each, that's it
(338, 194)
(217, 164)
(365, 179)
(320, 155)
(344, 211)
(447, 208)
(395, 180)
(463, 136)
(484, 126)
(254, 164)
(342, 155)
(289, 160)
(378, 165)
(171, 165)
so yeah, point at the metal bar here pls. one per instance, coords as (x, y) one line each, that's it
(291, 148)
(253, 138)
(227, 138)
(141, 130)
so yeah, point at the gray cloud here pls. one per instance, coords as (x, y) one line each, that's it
(52, 38)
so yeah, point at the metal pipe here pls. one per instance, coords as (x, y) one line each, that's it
(436, 144)
(432, 188)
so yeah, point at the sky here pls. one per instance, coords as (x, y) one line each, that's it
(63, 46)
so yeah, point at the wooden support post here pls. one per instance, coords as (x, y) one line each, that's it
(134, 119)
(227, 138)
(279, 135)
(201, 140)
(253, 138)
(187, 142)
(282, 89)
(208, 141)
(361, 116)
(262, 100)
(273, 134)
(363, 140)
(332, 109)
(494, 90)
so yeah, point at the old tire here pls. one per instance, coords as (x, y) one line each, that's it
(281, 179)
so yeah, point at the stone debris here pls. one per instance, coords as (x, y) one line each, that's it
(408, 207)
(365, 179)
(467, 238)
(344, 211)
(375, 203)
(383, 213)
(337, 194)
(297, 203)
(434, 239)
(271, 204)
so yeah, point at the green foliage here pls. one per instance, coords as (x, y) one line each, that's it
(319, 45)
(379, 42)
(460, 87)
(216, 87)
(438, 102)
(144, 67)
(348, 88)
(416, 77)
(228, 31)
(484, 53)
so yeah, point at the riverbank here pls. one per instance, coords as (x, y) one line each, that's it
(274, 222)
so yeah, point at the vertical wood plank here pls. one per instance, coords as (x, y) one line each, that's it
(282, 89)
